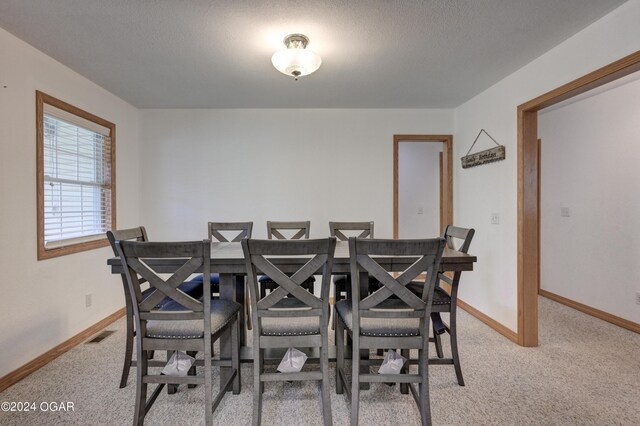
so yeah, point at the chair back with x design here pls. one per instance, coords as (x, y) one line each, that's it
(145, 308)
(298, 230)
(289, 284)
(343, 230)
(220, 231)
(393, 299)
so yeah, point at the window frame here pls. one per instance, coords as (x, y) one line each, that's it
(47, 253)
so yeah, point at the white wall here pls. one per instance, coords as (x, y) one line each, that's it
(480, 191)
(419, 189)
(590, 155)
(278, 164)
(43, 302)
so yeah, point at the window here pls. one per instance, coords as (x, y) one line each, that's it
(75, 178)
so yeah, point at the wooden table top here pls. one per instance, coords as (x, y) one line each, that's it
(229, 258)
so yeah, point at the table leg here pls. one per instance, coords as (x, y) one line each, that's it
(227, 292)
(240, 298)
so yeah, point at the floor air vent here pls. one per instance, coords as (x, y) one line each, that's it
(101, 336)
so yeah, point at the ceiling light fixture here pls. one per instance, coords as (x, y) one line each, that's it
(295, 60)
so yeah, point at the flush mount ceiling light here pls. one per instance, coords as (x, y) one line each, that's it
(295, 60)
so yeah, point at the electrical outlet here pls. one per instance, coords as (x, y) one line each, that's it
(638, 298)
(88, 300)
(495, 218)
(420, 210)
(565, 212)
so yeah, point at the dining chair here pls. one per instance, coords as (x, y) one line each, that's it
(342, 231)
(391, 317)
(446, 300)
(185, 324)
(192, 287)
(286, 230)
(225, 232)
(285, 322)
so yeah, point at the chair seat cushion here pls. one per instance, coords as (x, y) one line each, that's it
(215, 279)
(290, 326)
(192, 288)
(287, 326)
(440, 297)
(378, 327)
(222, 312)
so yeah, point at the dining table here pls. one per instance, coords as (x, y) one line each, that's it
(227, 259)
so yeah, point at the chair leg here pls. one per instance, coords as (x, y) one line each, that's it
(208, 383)
(438, 342)
(247, 307)
(141, 388)
(128, 352)
(326, 397)
(365, 367)
(339, 355)
(355, 381)
(171, 388)
(192, 370)
(235, 354)
(257, 387)
(423, 367)
(453, 335)
(404, 387)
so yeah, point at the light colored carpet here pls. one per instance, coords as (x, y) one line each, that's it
(585, 372)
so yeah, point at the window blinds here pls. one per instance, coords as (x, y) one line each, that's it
(77, 179)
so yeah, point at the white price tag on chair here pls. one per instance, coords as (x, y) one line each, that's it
(178, 365)
(293, 361)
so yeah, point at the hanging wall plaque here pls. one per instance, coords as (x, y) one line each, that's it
(483, 157)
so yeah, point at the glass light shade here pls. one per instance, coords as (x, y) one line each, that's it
(296, 62)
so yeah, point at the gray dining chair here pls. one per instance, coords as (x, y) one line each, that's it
(284, 322)
(286, 230)
(391, 317)
(445, 300)
(342, 231)
(191, 287)
(184, 324)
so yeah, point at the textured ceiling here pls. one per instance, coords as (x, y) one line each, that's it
(375, 53)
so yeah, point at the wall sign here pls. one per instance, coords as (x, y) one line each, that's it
(483, 157)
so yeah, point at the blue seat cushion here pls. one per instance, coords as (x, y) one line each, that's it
(266, 279)
(440, 297)
(215, 279)
(193, 288)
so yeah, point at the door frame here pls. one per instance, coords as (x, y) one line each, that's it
(446, 176)
(528, 186)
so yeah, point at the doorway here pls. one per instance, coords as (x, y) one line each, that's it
(417, 216)
(528, 187)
